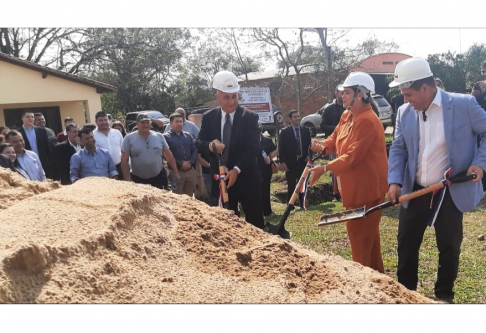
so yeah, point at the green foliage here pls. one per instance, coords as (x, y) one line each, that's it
(458, 72)
(451, 69)
(140, 63)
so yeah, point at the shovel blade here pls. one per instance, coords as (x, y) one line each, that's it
(342, 216)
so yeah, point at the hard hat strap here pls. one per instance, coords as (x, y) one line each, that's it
(354, 98)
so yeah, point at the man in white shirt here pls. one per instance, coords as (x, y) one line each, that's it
(109, 139)
(27, 160)
(435, 131)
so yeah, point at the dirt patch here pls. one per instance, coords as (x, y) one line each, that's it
(106, 241)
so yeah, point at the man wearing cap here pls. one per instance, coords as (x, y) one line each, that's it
(435, 131)
(234, 130)
(145, 149)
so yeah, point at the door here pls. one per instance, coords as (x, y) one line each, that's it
(52, 114)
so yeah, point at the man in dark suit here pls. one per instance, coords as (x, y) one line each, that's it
(294, 142)
(37, 140)
(235, 132)
(63, 153)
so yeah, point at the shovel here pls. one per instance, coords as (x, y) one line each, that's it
(358, 213)
(279, 229)
(222, 174)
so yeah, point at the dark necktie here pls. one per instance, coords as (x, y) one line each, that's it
(299, 144)
(226, 137)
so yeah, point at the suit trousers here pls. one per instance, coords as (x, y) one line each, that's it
(293, 176)
(251, 202)
(186, 181)
(448, 232)
(364, 236)
(248, 193)
(266, 180)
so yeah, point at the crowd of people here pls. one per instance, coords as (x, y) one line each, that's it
(435, 131)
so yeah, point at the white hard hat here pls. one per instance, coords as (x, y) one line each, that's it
(226, 81)
(359, 79)
(410, 70)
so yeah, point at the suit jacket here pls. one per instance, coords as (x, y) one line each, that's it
(464, 120)
(62, 158)
(44, 147)
(287, 146)
(244, 145)
(361, 162)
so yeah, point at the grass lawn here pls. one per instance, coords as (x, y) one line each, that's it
(470, 285)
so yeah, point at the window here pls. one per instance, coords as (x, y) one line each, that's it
(274, 86)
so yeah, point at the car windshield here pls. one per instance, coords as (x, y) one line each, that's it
(381, 102)
(155, 114)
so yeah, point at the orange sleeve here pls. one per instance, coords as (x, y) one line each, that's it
(357, 151)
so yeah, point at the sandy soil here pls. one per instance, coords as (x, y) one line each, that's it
(106, 241)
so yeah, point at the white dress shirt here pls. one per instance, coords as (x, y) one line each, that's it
(111, 142)
(433, 159)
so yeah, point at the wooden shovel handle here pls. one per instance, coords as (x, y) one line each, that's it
(222, 171)
(428, 189)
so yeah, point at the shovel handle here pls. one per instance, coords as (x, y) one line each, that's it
(436, 186)
(428, 189)
(222, 183)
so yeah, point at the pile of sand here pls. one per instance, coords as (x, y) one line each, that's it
(108, 241)
(14, 187)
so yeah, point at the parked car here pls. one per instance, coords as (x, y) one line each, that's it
(313, 121)
(131, 120)
(385, 110)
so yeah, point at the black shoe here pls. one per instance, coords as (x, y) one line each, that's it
(444, 298)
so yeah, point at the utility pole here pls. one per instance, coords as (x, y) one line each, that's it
(327, 49)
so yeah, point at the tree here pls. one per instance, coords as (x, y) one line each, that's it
(141, 63)
(451, 69)
(324, 66)
(474, 58)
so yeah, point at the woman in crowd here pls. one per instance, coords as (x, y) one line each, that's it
(7, 150)
(361, 166)
(119, 126)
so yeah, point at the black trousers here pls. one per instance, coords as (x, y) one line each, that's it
(293, 176)
(448, 232)
(119, 170)
(248, 193)
(266, 179)
(156, 181)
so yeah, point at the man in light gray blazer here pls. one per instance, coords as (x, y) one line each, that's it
(435, 131)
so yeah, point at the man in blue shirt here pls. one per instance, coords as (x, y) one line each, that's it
(188, 126)
(91, 161)
(27, 160)
(183, 148)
